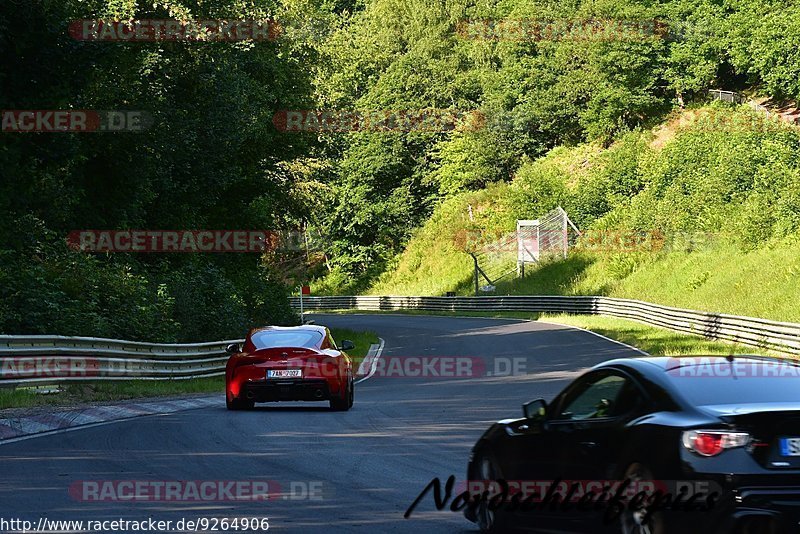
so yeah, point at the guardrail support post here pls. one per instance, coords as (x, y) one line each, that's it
(301, 305)
(477, 284)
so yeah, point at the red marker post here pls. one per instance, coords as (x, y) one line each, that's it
(304, 290)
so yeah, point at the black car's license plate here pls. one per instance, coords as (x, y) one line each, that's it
(790, 446)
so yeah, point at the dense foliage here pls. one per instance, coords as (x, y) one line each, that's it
(213, 158)
(535, 93)
(701, 213)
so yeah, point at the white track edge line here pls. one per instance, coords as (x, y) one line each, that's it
(375, 359)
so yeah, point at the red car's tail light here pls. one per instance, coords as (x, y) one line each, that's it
(713, 442)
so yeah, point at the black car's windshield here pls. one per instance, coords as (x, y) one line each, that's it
(269, 339)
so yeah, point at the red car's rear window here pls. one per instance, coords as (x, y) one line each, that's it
(267, 339)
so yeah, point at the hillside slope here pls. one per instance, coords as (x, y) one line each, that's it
(719, 186)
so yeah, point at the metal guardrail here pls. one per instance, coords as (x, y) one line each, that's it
(763, 333)
(33, 360)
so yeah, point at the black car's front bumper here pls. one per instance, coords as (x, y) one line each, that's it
(287, 390)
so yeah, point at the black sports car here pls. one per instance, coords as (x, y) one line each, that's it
(720, 435)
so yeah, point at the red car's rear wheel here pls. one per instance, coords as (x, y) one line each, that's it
(346, 401)
(239, 404)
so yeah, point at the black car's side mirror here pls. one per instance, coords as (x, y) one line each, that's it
(233, 348)
(535, 409)
(347, 345)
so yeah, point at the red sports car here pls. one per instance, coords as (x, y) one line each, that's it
(296, 363)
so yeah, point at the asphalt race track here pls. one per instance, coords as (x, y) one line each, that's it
(365, 466)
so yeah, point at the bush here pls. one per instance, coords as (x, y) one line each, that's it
(46, 288)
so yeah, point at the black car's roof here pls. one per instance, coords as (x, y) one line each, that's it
(669, 363)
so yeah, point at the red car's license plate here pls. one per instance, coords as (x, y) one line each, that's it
(284, 373)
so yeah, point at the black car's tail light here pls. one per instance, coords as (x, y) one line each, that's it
(713, 442)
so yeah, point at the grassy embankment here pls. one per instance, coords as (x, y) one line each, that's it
(722, 185)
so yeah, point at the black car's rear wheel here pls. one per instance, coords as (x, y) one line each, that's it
(488, 471)
(640, 521)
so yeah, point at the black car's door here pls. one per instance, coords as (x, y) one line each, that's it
(531, 457)
(539, 449)
(589, 426)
